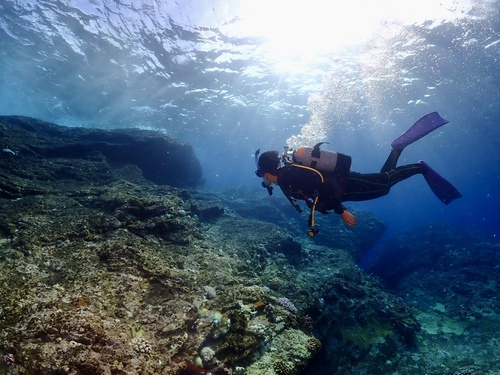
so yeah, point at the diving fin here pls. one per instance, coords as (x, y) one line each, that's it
(422, 127)
(443, 189)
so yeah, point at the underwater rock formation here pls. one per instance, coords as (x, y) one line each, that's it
(105, 271)
(450, 278)
(361, 327)
(108, 272)
(254, 203)
(50, 152)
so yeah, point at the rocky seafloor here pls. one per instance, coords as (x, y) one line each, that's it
(114, 261)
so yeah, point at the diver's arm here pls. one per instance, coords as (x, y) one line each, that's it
(337, 206)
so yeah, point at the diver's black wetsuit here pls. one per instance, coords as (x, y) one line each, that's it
(304, 183)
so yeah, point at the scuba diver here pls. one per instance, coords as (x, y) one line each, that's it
(323, 178)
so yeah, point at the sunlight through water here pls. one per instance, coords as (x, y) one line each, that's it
(248, 74)
(300, 34)
(309, 29)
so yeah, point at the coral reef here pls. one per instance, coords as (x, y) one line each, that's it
(449, 278)
(105, 271)
(108, 272)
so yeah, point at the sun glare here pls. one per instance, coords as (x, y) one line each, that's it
(298, 28)
(307, 30)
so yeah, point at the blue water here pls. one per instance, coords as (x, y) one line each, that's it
(231, 77)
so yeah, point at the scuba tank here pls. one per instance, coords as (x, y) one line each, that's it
(327, 162)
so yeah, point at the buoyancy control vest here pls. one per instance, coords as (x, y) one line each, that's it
(326, 162)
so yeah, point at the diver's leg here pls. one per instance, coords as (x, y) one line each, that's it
(362, 187)
(391, 161)
(443, 189)
(365, 186)
(406, 171)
